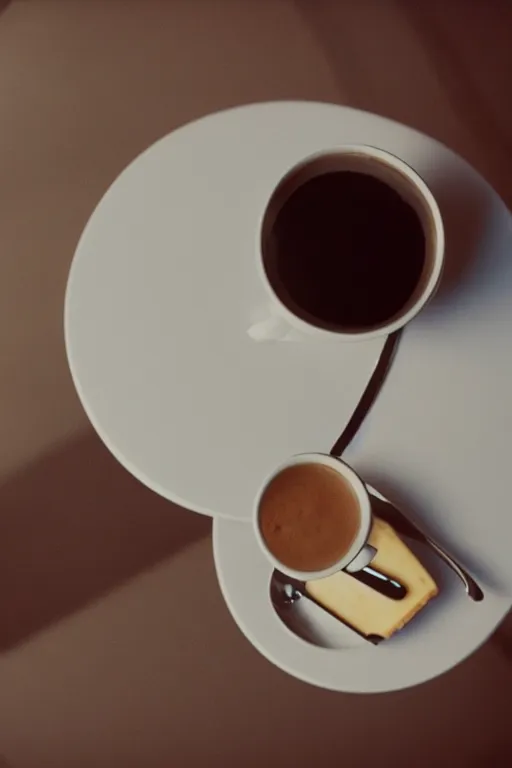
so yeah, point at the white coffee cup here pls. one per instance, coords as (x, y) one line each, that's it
(279, 321)
(360, 553)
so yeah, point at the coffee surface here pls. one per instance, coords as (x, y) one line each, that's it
(347, 251)
(309, 517)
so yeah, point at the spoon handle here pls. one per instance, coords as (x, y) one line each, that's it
(369, 395)
(385, 509)
(380, 582)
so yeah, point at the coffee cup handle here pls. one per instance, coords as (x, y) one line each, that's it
(273, 328)
(362, 559)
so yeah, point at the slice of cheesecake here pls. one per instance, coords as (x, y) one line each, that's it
(367, 610)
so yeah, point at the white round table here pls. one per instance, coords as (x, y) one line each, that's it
(163, 287)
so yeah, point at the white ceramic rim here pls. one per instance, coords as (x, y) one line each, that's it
(359, 488)
(437, 257)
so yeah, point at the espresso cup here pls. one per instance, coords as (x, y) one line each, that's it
(355, 185)
(327, 506)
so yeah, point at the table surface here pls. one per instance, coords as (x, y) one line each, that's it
(162, 289)
(86, 87)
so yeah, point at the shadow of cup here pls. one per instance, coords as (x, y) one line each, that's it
(468, 218)
(486, 574)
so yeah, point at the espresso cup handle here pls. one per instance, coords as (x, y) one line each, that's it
(362, 559)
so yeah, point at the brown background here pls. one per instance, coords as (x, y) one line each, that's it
(117, 649)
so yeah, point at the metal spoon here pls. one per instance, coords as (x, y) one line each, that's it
(286, 592)
(387, 511)
(380, 582)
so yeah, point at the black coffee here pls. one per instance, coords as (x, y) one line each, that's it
(347, 252)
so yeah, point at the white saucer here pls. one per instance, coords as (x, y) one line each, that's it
(450, 628)
(164, 285)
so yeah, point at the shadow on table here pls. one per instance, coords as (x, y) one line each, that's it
(502, 640)
(73, 526)
(499, 756)
(466, 217)
(411, 506)
(477, 270)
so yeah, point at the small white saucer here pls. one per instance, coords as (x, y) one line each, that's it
(308, 643)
